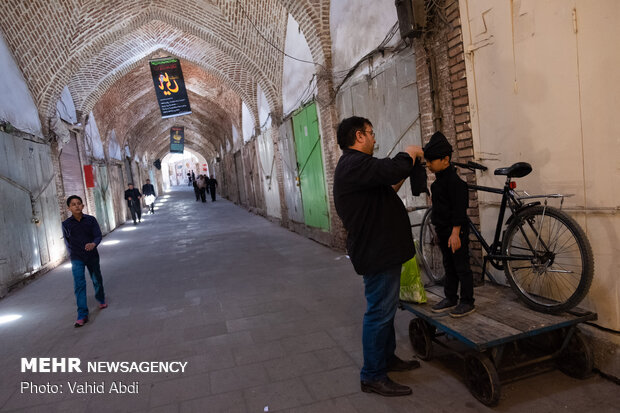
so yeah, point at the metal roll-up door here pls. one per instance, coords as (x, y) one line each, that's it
(71, 169)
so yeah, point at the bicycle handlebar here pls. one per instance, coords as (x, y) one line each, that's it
(472, 166)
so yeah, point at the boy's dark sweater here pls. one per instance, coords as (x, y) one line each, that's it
(450, 199)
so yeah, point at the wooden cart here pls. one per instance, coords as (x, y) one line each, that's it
(501, 324)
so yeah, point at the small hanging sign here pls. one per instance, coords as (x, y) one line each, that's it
(177, 139)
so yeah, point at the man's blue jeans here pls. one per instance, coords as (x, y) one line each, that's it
(79, 284)
(378, 336)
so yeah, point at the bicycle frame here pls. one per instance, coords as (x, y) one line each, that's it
(512, 201)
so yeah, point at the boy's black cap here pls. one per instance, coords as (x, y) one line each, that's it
(437, 147)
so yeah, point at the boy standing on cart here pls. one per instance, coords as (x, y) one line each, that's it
(450, 201)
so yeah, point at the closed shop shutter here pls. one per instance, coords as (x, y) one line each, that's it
(72, 170)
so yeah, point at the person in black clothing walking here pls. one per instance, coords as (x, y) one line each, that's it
(149, 195)
(82, 234)
(133, 196)
(211, 189)
(379, 241)
(450, 201)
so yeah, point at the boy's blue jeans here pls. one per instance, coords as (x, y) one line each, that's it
(378, 336)
(79, 284)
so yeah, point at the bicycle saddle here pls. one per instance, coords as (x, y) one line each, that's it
(517, 170)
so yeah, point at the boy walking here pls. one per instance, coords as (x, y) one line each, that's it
(82, 235)
(450, 201)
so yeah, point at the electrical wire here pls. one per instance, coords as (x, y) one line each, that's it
(367, 56)
(271, 44)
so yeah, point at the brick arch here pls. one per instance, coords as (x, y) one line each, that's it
(208, 151)
(313, 20)
(93, 95)
(224, 40)
(152, 128)
(130, 106)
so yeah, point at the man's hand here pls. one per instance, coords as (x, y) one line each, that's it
(414, 151)
(454, 242)
(129, 198)
(90, 246)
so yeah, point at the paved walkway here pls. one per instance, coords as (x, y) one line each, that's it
(265, 319)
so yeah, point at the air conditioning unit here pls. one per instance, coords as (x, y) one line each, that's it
(412, 17)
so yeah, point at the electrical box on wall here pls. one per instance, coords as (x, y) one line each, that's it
(411, 17)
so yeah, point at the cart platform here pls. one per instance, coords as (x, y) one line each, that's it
(500, 319)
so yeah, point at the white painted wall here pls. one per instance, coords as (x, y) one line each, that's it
(92, 139)
(66, 107)
(247, 123)
(264, 120)
(357, 27)
(235, 134)
(16, 104)
(114, 149)
(543, 84)
(297, 79)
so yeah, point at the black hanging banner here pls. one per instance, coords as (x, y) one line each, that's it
(170, 87)
(177, 139)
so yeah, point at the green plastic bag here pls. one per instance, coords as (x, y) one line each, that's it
(411, 286)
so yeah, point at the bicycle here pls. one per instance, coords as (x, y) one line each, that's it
(544, 253)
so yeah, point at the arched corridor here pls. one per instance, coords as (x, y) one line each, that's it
(262, 317)
(254, 291)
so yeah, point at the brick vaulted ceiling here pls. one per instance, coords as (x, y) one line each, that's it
(100, 50)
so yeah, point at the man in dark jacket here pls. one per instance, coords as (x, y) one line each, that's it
(379, 241)
(132, 196)
(211, 189)
(82, 234)
(149, 195)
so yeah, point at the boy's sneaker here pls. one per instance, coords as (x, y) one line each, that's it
(443, 305)
(462, 310)
(81, 322)
(103, 305)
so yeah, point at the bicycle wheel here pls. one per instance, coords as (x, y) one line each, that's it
(551, 265)
(432, 259)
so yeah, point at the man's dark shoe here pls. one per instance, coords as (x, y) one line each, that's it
(443, 305)
(396, 364)
(385, 387)
(462, 310)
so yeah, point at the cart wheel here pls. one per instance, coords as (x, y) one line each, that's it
(421, 335)
(482, 378)
(576, 360)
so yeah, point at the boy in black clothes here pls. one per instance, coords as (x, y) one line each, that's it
(450, 202)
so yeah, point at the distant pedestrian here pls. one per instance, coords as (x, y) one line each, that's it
(212, 185)
(133, 197)
(149, 195)
(196, 191)
(201, 182)
(82, 234)
(189, 179)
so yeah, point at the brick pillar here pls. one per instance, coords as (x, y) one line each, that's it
(60, 187)
(443, 96)
(275, 136)
(328, 118)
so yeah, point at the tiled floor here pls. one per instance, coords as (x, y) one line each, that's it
(265, 319)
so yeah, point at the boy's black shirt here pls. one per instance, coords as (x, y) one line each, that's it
(450, 199)
(379, 231)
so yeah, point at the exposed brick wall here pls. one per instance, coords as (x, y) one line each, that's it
(442, 91)
(90, 46)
